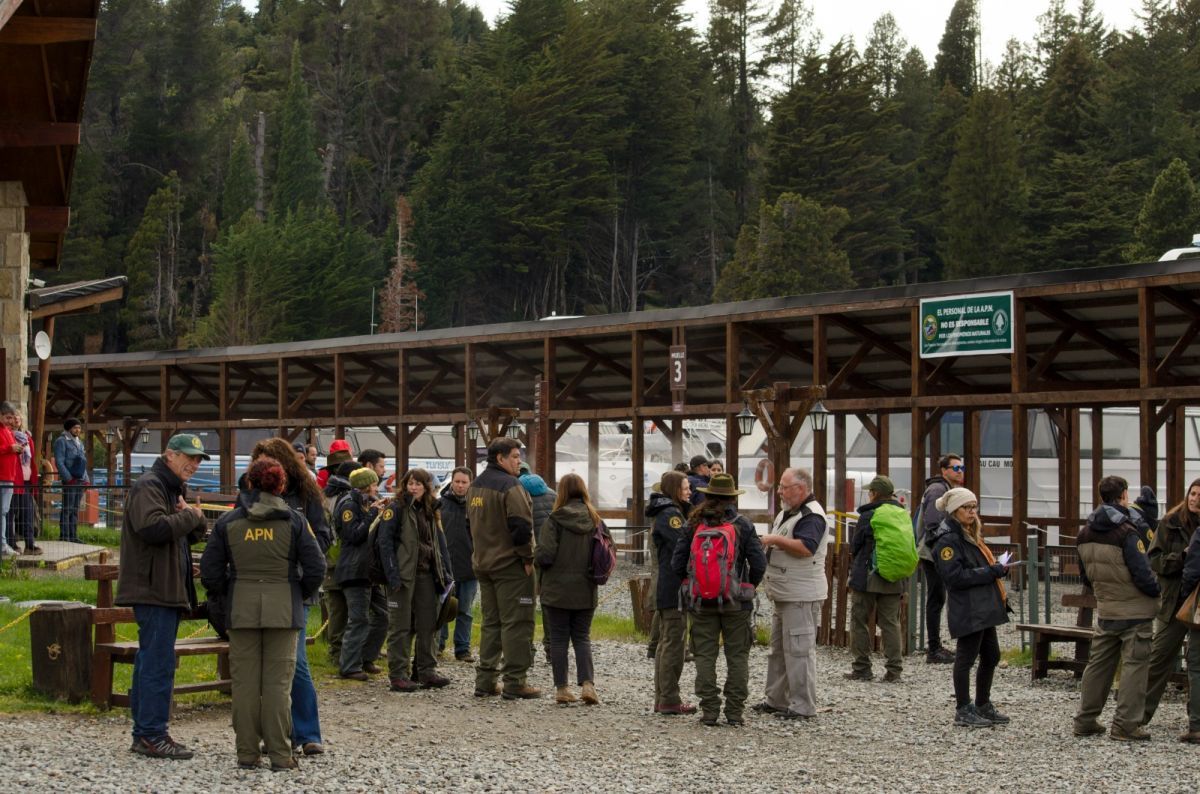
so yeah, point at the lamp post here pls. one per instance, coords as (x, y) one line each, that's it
(771, 406)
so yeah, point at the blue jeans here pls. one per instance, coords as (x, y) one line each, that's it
(153, 670)
(466, 592)
(72, 495)
(6, 497)
(306, 723)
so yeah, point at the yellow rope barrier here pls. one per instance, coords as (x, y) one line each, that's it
(12, 623)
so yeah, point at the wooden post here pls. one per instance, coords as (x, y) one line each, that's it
(1071, 514)
(637, 507)
(970, 450)
(916, 388)
(1097, 453)
(403, 442)
(1176, 424)
(38, 420)
(594, 457)
(839, 462)
(883, 444)
(1019, 367)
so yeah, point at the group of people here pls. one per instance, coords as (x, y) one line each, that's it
(400, 568)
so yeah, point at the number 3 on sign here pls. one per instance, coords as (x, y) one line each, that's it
(678, 367)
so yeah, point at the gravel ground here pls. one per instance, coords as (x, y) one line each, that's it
(870, 736)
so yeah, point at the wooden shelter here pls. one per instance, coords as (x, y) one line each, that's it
(1083, 340)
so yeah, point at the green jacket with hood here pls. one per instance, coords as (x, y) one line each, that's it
(564, 554)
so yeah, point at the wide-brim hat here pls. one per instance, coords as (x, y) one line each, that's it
(721, 485)
(447, 612)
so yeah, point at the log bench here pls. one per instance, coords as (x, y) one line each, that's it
(107, 651)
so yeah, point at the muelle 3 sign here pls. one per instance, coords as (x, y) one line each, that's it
(967, 325)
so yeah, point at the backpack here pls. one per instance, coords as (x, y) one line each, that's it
(603, 559)
(895, 556)
(712, 567)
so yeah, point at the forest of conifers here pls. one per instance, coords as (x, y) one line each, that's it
(264, 176)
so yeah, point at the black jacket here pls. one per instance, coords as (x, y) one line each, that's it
(669, 524)
(458, 535)
(1191, 570)
(751, 562)
(352, 519)
(973, 599)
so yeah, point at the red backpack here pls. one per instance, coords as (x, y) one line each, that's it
(712, 566)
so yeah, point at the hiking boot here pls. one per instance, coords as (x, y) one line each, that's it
(1138, 734)
(587, 693)
(940, 656)
(162, 747)
(370, 668)
(357, 675)
(287, 765)
(464, 657)
(988, 712)
(857, 676)
(524, 692)
(709, 720)
(313, 748)
(32, 551)
(403, 685)
(675, 709)
(651, 651)
(1190, 737)
(1095, 729)
(434, 681)
(766, 708)
(735, 722)
(487, 693)
(564, 695)
(970, 717)
(255, 764)
(892, 677)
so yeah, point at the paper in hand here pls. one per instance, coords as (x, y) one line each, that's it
(1004, 558)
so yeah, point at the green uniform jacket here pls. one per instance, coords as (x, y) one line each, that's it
(501, 520)
(1166, 560)
(262, 561)
(156, 564)
(565, 556)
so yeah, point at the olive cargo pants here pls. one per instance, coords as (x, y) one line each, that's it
(668, 657)
(506, 601)
(1131, 648)
(887, 617)
(708, 629)
(262, 663)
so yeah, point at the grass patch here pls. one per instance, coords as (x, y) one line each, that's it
(1018, 658)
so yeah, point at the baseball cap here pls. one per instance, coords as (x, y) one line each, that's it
(339, 445)
(188, 444)
(299, 447)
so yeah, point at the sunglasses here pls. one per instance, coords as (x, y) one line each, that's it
(958, 467)
(972, 508)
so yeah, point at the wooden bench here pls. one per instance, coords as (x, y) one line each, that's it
(107, 652)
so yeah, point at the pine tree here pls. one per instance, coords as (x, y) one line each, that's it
(791, 251)
(1169, 215)
(884, 55)
(298, 173)
(957, 58)
(152, 263)
(400, 298)
(985, 193)
(239, 193)
(790, 39)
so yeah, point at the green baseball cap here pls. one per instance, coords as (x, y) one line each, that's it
(188, 444)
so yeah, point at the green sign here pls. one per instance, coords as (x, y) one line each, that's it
(967, 325)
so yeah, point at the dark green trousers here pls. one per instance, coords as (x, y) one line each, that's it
(506, 636)
(262, 663)
(412, 621)
(335, 608)
(668, 658)
(1164, 659)
(708, 631)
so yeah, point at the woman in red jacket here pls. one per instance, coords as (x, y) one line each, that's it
(21, 515)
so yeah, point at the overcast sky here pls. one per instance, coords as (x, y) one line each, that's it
(921, 21)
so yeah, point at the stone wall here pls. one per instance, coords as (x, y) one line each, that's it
(14, 280)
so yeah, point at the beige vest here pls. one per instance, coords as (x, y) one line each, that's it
(791, 579)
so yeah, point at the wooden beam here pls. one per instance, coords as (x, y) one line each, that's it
(1087, 330)
(851, 364)
(77, 305)
(606, 361)
(1181, 344)
(574, 382)
(1047, 358)
(28, 134)
(47, 220)
(34, 31)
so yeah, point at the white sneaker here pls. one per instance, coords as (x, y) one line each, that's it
(8, 551)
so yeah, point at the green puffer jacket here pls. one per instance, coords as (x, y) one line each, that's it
(564, 554)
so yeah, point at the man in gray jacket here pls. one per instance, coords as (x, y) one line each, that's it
(953, 474)
(155, 578)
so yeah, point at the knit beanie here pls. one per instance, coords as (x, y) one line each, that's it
(955, 498)
(363, 478)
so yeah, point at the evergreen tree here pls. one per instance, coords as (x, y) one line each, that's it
(789, 40)
(239, 193)
(957, 58)
(298, 173)
(985, 193)
(791, 251)
(153, 267)
(1169, 215)
(884, 55)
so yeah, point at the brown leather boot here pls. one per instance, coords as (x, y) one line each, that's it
(564, 695)
(587, 693)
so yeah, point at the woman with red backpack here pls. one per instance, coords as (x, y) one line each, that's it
(721, 561)
(568, 587)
